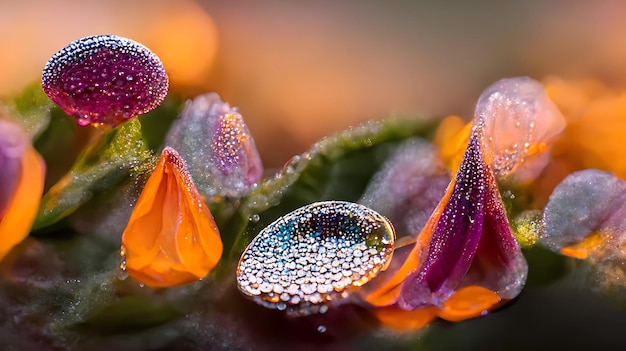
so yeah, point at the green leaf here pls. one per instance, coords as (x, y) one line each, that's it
(107, 160)
(128, 314)
(32, 108)
(335, 168)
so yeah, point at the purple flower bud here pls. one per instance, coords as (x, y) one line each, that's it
(105, 79)
(217, 147)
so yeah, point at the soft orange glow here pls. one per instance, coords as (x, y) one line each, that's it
(184, 36)
(171, 237)
(21, 211)
(593, 136)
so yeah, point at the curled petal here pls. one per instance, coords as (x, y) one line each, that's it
(466, 244)
(171, 237)
(105, 79)
(22, 173)
(217, 146)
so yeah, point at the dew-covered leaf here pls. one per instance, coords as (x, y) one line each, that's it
(32, 108)
(105, 162)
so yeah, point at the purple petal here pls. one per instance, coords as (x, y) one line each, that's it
(13, 142)
(105, 79)
(471, 244)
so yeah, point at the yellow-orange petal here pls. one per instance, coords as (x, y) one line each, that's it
(171, 237)
(22, 209)
(402, 320)
(451, 139)
(468, 302)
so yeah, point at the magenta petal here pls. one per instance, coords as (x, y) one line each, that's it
(471, 244)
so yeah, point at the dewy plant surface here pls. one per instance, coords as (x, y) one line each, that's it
(167, 232)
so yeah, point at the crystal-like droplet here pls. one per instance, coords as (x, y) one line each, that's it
(307, 251)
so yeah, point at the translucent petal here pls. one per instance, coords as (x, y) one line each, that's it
(516, 119)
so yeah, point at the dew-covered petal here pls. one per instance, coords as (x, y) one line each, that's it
(315, 256)
(217, 146)
(171, 237)
(516, 119)
(22, 172)
(466, 242)
(105, 79)
(584, 211)
(408, 187)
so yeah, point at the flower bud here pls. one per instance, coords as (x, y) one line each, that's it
(171, 237)
(217, 146)
(105, 79)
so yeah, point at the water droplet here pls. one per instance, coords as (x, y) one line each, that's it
(321, 328)
(300, 247)
(255, 218)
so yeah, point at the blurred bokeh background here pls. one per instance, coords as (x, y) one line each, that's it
(302, 70)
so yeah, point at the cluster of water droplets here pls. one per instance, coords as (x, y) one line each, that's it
(314, 255)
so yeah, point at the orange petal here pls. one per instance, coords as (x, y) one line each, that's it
(468, 302)
(451, 138)
(171, 237)
(402, 320)
(582, 249)
(22, 209)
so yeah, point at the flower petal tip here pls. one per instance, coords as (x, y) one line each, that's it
(171, 237)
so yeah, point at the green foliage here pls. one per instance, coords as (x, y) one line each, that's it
(109, 158)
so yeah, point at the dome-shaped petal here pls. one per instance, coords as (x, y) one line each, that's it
(171, 237)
